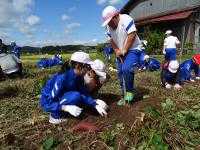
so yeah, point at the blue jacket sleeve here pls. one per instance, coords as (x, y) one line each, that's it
(57, 87)
(49, 94)
(197, 70)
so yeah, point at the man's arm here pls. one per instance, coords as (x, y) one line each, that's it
(129, 41)
(115, 47)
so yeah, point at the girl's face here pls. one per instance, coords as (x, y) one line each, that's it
(81, 69)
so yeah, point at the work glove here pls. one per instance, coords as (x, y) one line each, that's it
(72, 109)
(102, 104)
(101, 107)
(168, 86)
(177, 86)
(197, 78)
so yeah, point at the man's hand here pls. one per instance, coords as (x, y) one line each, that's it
(118, 53)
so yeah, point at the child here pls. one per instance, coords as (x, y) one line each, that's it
(170, 45)
(95, 77)
(151, 63)
(188, 66)
(65, 90)
(170, 75)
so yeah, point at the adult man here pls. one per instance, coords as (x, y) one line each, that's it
(3, 48)
(170, 45)
(16, 50)
(126, 44)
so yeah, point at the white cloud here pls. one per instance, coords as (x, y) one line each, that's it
(100, 2)
(111, 2)
(22, 5)
(32, 20)
(72, 9)
(16, 16)
(115, 2)
(65, 17)
(73, 25)
(94, 40)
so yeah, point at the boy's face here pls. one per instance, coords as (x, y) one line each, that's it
(114, 22)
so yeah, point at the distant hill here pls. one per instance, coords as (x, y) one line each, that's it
(55, 49)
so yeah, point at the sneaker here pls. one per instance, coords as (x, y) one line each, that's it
(177, 86)
(168, 86)
(55, 121)
(129, 97)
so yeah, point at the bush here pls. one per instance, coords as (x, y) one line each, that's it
(155, 41)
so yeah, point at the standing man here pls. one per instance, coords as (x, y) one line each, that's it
(170, 45)
(16, 50)
(126, 44)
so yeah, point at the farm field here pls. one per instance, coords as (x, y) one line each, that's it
(159, 119)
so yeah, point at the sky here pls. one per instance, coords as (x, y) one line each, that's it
(53, 22)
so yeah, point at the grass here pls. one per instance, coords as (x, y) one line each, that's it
(172, 118)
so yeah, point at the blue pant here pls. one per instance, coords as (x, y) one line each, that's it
(69, 98)
(141, 59)
(170, 54)
(126, 69)
(185, 75)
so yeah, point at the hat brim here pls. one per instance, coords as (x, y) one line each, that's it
(106, 22)
(100, 74)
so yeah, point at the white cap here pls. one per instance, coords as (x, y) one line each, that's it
(173, 66)
(168, 32)
(99, 68)
(146, 57)
(108, 13)
(81, 57)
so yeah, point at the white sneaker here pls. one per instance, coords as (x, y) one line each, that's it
(55, 121)
(168, 86)
(177, 86)
(197, 78)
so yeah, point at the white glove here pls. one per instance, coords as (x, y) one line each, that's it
(102, 104)
(168, 86)
(177, 86)
(100, 110)
(197, 78)
(72, 109)
(101, 107)
(192, 80)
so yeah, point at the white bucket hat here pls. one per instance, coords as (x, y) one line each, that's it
(81, 57)
(173, 66)
(99, 68)
(168, 32)
(108, 13)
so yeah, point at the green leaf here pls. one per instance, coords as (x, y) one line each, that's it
(50, 143)
(152, 111)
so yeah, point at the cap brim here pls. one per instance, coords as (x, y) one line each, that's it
(100, 74)
(106, 22)
(89, 62)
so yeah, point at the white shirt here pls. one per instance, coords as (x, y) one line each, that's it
(119, 35)
(171, 42)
